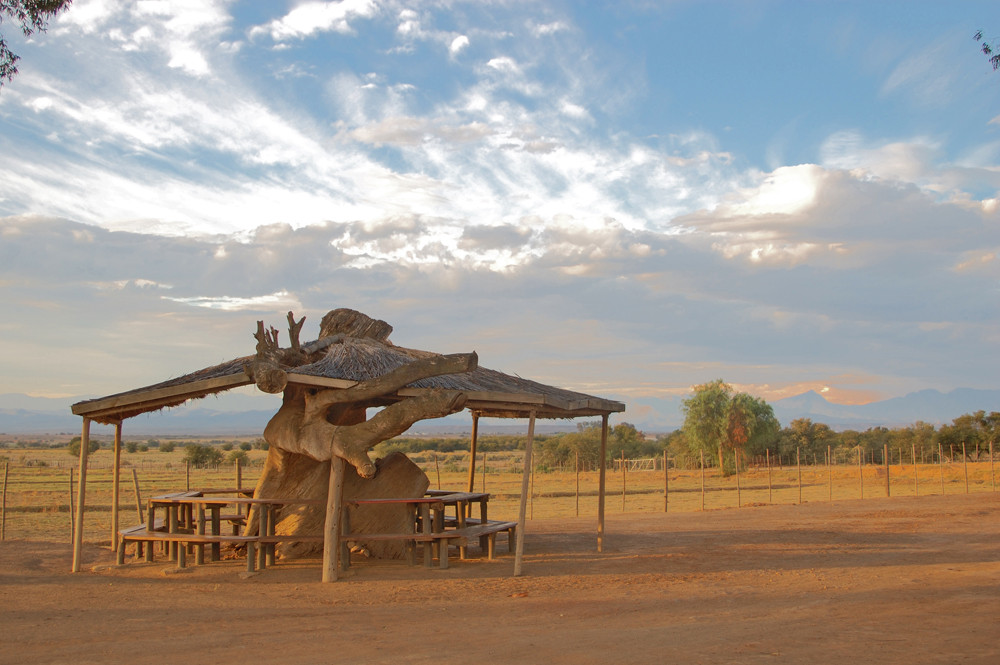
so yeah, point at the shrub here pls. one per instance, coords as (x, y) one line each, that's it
(74, 446)
(167, 447)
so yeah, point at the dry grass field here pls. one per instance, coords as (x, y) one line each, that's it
(899, 581)
(38, 496)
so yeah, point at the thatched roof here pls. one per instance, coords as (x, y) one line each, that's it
(352, 360)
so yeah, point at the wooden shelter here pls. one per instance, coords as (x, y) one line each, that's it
(353, 355)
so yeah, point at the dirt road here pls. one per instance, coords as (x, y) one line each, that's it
(900, 581)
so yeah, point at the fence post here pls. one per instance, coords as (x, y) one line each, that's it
(72, 509)
(623, 480)
(798, 469)
(577, 483)
(965, 466)
(767, 458)
(703, 480)
(916, 471)
(993, 485)
(736, 461)
(3, 509)
(829, 468)
(861, 469)
(666, 480)
(138, 499)
(885, 461)
(941, 466)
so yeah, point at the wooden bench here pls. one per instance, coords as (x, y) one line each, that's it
(140, 535)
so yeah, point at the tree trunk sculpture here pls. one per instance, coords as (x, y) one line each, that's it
(315, 424)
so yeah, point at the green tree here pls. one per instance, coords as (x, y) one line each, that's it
(200, 456)
(167, 446)
(719, 420)
(131, 446)
(32, 16)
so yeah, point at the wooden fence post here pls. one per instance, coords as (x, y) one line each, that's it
(767, 457)
(3, 509)
(861, 469)
(798, 469)
(138, 499)
(885, 461)
(993, 484)
(736, 460)
(72, 509)
(666, 481)
(965, 466)
(941, 466)
(829, 468)
(703, 480)
(577, 483)
(623, 480)
(916, 471)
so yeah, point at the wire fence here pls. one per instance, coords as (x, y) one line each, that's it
(38, 494)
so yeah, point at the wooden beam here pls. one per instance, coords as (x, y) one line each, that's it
(81, 494)
(525, 478)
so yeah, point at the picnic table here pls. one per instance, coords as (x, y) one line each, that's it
(194, 519)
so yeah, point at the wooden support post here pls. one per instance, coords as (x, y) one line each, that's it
(331, 529)
(913, 458)
(81, 496)
(601, 482)
(138, 499)
(187, 475)
(115, 486)
(525, 477)
(472, 452)
(885, 461)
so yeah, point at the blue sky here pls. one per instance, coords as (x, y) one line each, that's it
(623, 198)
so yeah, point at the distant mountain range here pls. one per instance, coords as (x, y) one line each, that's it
(246, 415)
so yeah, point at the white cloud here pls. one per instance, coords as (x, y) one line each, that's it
(312, 17)
(458, 44)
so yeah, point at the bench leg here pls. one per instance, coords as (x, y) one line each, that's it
(251, 556)
(120, 553)
(511, 540)
(181, 555)
(443, 553)
(149, 551)
(491, 546)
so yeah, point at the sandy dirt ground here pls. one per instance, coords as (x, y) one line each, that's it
(903, 580)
